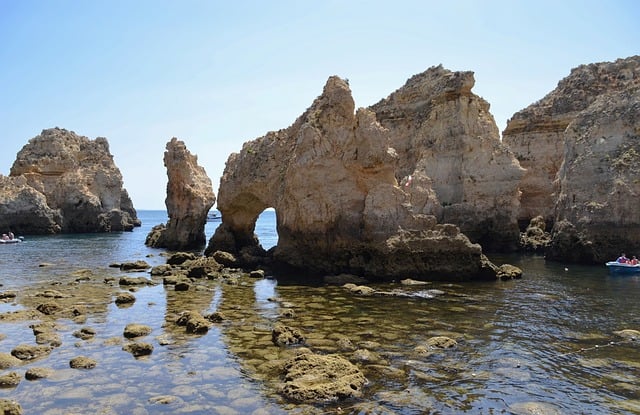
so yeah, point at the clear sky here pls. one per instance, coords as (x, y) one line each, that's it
(216, 74)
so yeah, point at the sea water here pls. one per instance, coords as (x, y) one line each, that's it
(542, 344)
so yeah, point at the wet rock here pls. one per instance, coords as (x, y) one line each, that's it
(288, 313)
(282, 335)
(313, 378)
(194, 322)
(225, 258)
(43, 327)
(10, 380)
(441, 342)
(368, 357)
(136, 330)
(49, 337)
(138, 348)
(180, 257)
(9, 407)
(125, 298)
(49, 308)
(258, 273)
(82, 362)
(216, 317)
(7, 361)
(174, 279)
(134, 281)
(35, 373)
(509, 272)
(85, 333)
(359, 289)
(52, 294)
(182, 285)
(7, 295)
(134, 266)
(163, 269)
(30, 352)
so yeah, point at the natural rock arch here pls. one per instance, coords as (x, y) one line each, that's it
(331, 178)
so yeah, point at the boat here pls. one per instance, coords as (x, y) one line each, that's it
(11, 241)
(622, 268)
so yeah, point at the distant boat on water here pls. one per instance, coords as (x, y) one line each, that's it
(213, 216)
(11, 241)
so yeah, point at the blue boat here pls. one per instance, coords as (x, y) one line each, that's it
(622, 268)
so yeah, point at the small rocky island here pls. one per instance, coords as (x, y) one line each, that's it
(61, 182)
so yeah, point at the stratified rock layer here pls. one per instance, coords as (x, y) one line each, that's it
(537, 133)
(332, 178)
(189, 198)
(75, 187)
(580, 144)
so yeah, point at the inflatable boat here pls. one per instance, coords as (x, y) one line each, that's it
(621, 268)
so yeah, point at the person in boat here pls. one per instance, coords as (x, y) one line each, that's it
(5, 237)
(622, 259)
(11, 236)
(633, 260)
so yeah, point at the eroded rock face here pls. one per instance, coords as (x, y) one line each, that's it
(599, 181)
(189, 198)
(78, 180)
(24, 210)
(537, 134)
(580, 144)
(447, 140)
(332, 179)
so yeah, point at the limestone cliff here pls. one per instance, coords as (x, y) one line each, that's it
(580, 146)
(189, 198)
(537, 133)
(78, 179)
(332, 179)
(445, 136)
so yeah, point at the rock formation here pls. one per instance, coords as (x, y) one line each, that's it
(537, 133)
(580, 145)
(189, 198)
(447, 139)
(81, 186)
(332, 178)
(24, 210)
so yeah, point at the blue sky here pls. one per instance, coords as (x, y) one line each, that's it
(218, 73)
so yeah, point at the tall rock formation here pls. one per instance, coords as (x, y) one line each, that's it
(332, 178)
(446, 137)
(189, 198)
(537, 136)
(581, 145)
(78, 180)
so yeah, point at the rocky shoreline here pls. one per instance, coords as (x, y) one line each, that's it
(55, 310)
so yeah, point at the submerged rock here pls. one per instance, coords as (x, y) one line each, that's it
(315, 378)
(282, 335)
(138, 349)
(82, 362)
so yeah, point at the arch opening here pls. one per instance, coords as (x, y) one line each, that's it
(266, 229)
